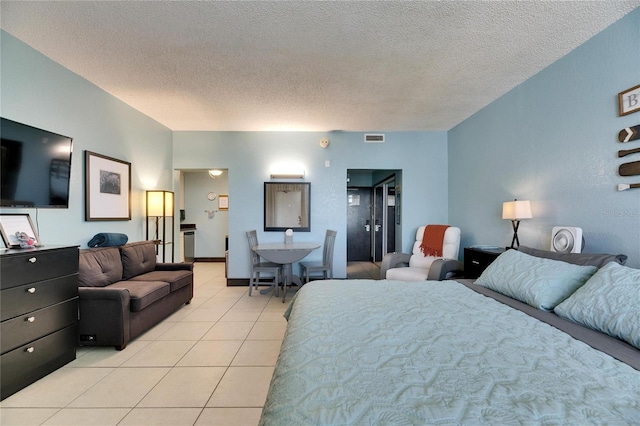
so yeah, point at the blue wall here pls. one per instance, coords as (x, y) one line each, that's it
(422, 157)
(39, 92)
(553, 140)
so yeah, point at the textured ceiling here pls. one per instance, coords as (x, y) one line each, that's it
(210, 65)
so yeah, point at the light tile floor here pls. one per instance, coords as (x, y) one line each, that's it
(210, 363)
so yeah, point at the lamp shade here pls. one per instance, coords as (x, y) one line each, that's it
(516, 210)
(160, 203)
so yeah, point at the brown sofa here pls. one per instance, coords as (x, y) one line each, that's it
(124, 292)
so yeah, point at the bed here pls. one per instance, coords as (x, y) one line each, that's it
(446, 352)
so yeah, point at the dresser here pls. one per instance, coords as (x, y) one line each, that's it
(477, 259)
(39, 312)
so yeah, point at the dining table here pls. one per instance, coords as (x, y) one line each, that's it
(285, 254)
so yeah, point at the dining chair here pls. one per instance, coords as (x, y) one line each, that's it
(326, 267)
(258, 267)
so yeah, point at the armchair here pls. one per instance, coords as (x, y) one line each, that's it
(418, 267)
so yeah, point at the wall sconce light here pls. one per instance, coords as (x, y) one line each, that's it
(287, 171)
(515, 211)
(287, 175)
(160, 206)
(215, 173)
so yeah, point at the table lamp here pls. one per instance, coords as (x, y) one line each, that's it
(515, 211)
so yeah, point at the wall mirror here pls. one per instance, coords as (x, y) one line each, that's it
(286, 205)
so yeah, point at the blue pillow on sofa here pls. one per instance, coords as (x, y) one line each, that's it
(541, 283)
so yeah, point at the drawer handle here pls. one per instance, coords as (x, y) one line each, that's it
(31, 319)
(30, 349)
(32, 259)
(475, 262)
(31, 290)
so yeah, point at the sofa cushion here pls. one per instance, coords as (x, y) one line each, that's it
(99, 267)
(176, 279)
(138, 258)
(143, 293)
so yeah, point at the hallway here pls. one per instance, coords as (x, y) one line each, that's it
(363, 270)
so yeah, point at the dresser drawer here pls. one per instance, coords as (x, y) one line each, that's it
(25, 328)
(37, 265)
(30, 297)
(28, 363)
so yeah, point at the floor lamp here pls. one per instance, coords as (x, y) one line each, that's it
(160, 209)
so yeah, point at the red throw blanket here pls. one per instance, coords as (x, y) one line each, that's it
(432, 240)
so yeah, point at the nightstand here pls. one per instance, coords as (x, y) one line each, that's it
(476, 260)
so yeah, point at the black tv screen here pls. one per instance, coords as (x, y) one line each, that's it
(35, 167)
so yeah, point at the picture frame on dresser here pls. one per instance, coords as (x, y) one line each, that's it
(12, 224)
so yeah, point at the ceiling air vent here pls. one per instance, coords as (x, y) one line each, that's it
(374, 138)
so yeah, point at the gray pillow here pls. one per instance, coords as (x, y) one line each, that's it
(584, 259)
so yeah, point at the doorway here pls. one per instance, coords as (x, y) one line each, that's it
(204, 223)
(373, 216)
(359, 224)
(384, 218)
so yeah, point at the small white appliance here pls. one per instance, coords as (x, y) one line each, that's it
(566, 239)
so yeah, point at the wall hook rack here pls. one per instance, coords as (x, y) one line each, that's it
(211, 213)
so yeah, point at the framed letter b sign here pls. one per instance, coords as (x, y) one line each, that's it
(629, 101)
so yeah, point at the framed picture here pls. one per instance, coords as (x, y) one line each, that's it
(107, 188)
(629, 101)
(223, 202)
(16, 227)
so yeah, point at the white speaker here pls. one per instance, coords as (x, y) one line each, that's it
(566, 239)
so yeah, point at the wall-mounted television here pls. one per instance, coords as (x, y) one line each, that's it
(35, 167)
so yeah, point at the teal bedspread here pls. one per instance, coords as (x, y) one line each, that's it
(361, 352)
